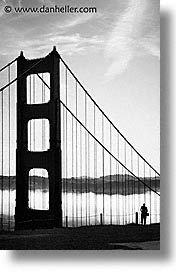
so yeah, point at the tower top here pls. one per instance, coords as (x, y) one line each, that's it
(54, 48)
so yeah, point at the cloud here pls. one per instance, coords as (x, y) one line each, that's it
(78, 20)
(39, 45)
(136, 32)
(46, 2)
(151, 44)
(2, 4)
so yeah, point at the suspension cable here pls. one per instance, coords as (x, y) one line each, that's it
(137, 177)
(21, 75)
(106, 115)
(7, 65)
(107, 149)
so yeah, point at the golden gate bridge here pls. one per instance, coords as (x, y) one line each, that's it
(62, 160)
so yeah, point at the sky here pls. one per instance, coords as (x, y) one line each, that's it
(115, 53)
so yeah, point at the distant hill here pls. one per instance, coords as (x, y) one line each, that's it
(114, 184)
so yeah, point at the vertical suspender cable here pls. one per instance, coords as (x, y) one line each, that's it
(72, 181)
(95, 166)
(103, 167)
(128, 194)
(132, 185)
(63, 166)
(66, 151)
(103, 188)
(123, 194)
(110, 177)
(42, 142)
(9, 142)
(76, 156)
(125, 181)
(96, 210)
(88, 176)
(2, 177)
(150, 199)
(34, 131)
(86, 152)
(115, 191)
(128, 197)
(30, 138)
(81, 172)
(118, 189)
(138, 183)
(155, 205)
(144, 184)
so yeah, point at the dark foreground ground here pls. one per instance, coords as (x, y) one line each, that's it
(124, 237)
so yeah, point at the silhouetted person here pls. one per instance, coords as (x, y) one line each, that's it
(144, 213)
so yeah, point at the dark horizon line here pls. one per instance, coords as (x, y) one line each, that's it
(89, 177)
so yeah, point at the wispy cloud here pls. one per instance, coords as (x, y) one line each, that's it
(35, 45)
(67, 44)
(2, 4)
(134, 33)
(78, 20)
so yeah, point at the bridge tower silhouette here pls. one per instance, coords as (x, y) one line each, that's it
(49, 160)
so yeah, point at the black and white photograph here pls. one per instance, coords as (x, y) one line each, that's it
(80, 125)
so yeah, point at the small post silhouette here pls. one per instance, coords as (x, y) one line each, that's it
(66, 221)
(136, 217)
(101, 218)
